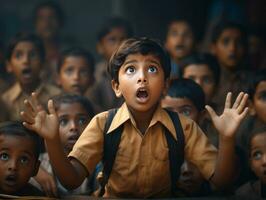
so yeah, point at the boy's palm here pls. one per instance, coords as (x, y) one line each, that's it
(38, 120)
(228, 122)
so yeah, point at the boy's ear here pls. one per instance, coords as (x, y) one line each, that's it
(166, 87)
(213, 49)
(251, 108)
(116, 88)
(58, 80)
(8, 67)
(99, 48)
(36, 168)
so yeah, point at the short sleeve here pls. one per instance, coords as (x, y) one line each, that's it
(89, 147)
(198, 148)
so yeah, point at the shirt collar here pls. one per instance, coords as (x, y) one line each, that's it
(159, 116)
(17, 91)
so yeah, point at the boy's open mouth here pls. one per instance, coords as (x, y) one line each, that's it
(142, 94)
(11, 180)
(179, 48)
(73, 137)
(27, 72)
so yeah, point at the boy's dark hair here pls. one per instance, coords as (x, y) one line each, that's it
(187, 88)
(73, 98)
(115, 22)
(200, 59)
(223, 25)
(16, 128)
(257, 77)
(180, 20)
(76, 52)
(257, 131)
(25, 37)
(52, 5)
(144, 46)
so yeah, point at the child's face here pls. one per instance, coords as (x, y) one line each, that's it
(258, 156)
(259, 101)
(75, 76)
(229, 48)
(141, 82)
(17, 163)
(47, 24)
(73, 119)
(25, 63)
(110, 42)
(183, 106)
(190, 179)
(203, 76)
(179, 40)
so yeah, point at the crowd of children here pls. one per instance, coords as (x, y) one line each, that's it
(185, 123)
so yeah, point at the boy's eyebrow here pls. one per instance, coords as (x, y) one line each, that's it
(135, 61)
(29, 153)
(3, 149)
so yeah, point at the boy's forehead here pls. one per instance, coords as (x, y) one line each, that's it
(20, 143)
(231, 32)
(179, 25)
(25, 45)
(261, 87)
(71, 108)
(143, 57)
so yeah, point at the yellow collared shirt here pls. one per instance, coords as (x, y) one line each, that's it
(141, 167)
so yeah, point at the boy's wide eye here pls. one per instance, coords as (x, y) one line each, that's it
(262, 96)
(63, 122)
(24, 160)
(186, 111)
(152, 69)
(18, 54)
(82, 121)
(130, 70)
(256, 155)
(4, 156)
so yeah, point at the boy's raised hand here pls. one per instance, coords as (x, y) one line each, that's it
(228, 122)
(37, 119)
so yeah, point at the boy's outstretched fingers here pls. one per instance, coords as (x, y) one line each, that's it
(51, 108)
(243, 103)
(26, 117)
(238, 100)
(211, 111)
(228, 100)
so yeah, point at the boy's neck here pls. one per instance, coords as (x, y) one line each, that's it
(29, 88)
(143, 119)
(51, 46)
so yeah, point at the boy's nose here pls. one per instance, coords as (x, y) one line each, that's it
(26, 58)
(12, 165)
(264, 160)
(73, 126)
(142, 77)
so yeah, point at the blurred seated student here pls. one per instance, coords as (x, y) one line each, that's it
(180, 43)
(256, 117)
(114, 31)
(229, 46)
(49, 20)
(75, 70)
(19, 152)
(187, 98)
(24, 58)
(256, 150)
(74, 113)
(205, 71)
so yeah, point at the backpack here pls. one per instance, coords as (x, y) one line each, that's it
(176, 149)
